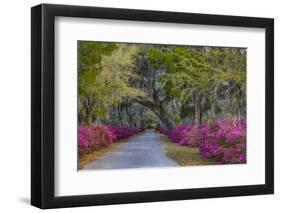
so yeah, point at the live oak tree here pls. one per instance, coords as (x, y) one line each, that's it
(159, 85)
(155, 98)
(89, 66)
(103, 79)
(196, 75)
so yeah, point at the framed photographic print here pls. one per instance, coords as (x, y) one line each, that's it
(140, 106)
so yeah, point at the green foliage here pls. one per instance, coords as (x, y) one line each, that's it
(89, 62)
(105, 82)
(176, 84)
(194, 75)
(112, 84)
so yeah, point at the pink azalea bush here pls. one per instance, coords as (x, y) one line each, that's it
(222, 141)
(186, 135)
(164, 131)
(92, 138)
(178, 133)
(124, 132)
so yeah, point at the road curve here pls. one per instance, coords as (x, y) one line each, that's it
(140, 151)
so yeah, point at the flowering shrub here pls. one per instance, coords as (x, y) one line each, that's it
(124, 132)
(178, 133)
(222, 141)
(191, 137)
(187, 135)
(93, 138)
(164, 131)
(183, 134)
(97, 136)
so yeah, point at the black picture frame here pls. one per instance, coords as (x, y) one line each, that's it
(43, 102)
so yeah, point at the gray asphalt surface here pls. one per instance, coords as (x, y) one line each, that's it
(143, 150)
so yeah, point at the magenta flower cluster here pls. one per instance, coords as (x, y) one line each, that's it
(183, 134)
(222, 141)
(186, 135)
(124, 132)
(92, 138)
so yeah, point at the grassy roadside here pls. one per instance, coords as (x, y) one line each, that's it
(185, 156)
(87, 158)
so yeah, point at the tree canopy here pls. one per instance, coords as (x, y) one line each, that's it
(159, 85)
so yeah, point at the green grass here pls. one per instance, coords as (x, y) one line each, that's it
(184, 155)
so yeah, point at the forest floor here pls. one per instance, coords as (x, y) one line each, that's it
(143, 150)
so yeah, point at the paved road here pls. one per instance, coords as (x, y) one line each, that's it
(143, 150)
